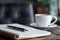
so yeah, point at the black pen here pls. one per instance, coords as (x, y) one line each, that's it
(16, 28)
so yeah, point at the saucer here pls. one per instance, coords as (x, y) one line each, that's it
(50, 26)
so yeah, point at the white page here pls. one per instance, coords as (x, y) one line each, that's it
(32, 32)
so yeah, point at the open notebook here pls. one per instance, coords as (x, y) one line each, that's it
(29, 33)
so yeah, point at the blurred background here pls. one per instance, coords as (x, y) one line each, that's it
(22, 11)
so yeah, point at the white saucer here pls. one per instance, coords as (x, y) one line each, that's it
(50, 26)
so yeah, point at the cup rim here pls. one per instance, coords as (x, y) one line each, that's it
(42, 15)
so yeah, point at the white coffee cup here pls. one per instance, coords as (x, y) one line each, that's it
(44, 20)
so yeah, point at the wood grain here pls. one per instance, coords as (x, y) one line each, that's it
(52, 37)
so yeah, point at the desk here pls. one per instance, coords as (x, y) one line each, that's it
(52, 37)
(3, 38)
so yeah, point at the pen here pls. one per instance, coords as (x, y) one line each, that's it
(16, 28)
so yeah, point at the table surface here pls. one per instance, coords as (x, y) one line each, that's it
(52, 37)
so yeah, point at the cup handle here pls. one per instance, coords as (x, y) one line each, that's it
(55, 20)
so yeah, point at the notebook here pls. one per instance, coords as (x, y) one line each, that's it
(29, 33)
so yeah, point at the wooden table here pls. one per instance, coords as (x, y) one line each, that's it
(52, 37)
